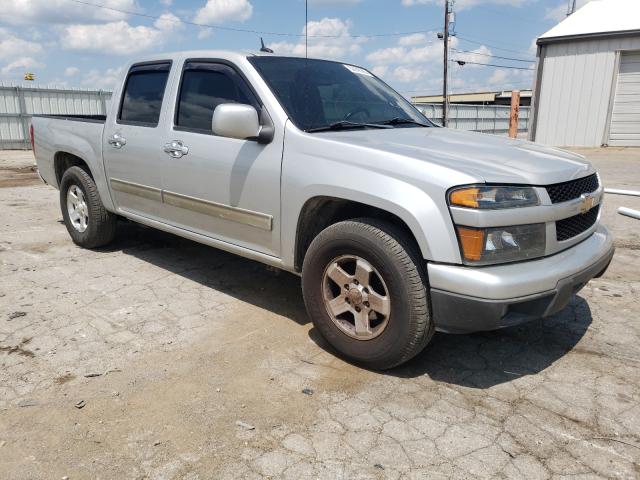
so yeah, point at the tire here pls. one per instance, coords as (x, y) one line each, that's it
(396, 265)
(99, 224)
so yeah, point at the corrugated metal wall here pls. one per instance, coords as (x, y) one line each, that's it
(479, 118)
(19, 103)
(576, 89)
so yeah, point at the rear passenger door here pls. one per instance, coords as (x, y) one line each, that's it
(131, 151)
(224, 188)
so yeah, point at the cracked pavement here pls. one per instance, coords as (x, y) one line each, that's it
(192, 362)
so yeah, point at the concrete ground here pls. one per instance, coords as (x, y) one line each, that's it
(160, 358)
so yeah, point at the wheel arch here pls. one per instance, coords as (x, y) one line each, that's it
(65, 158)
(63, 161)
(319, 212)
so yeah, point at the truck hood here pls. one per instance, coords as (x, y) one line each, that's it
(489, 158)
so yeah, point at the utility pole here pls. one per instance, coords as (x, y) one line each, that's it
(445, 89)
(572, 7)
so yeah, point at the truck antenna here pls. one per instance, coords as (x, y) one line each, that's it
(263, 48)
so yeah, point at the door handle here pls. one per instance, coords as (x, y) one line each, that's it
(116, 140)
(176, 149)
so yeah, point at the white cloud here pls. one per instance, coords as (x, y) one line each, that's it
(404, 55)
(204, 33)
(413, 39)
(328, 38)
(71, 71)
(168, 22)
(21, 12)
(557, 13)
(407, 74)
(24, 63)
(386, 56)
(118, 38)
(166, 3)
(415, 63)
(380, 70)
(479, 55)
(462, 4)
(415, 59)
(106, 80)
(12, 46)
(499, 77)
(217, 11)
(504, 79)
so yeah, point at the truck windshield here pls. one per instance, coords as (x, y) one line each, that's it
(324, 95)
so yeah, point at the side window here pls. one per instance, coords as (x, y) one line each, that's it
(204, 86)
(143, 93)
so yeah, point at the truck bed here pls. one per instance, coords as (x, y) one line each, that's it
(77, 118)
(79, 135)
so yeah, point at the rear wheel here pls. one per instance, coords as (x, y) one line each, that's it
(366, 293)
(89, 224)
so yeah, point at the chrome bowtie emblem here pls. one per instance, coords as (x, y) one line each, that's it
(587, 202)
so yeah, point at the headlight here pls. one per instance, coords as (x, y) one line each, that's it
(483, 246)
(488, 197)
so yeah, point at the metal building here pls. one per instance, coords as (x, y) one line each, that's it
(587, 85)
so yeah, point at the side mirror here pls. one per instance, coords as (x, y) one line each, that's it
(235, 120)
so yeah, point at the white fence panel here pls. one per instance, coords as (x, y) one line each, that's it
(478, 118)
(19, 103)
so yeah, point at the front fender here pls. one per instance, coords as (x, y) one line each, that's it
(430, 224)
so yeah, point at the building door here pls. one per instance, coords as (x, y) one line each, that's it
(625, 117)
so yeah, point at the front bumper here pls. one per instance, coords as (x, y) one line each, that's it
(471, 299)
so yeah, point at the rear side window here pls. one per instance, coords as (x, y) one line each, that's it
(204, 86)
(143, 93)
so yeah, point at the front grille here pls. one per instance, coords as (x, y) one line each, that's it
(563, 192)
(570, 227)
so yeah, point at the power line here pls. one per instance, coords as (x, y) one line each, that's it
(493, 56)
(246, 30)
(466, 39)
(464, 62)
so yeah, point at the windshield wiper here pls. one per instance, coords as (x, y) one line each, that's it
(402, 121)
(344, 124)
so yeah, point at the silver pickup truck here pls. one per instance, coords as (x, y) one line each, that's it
(397, 227)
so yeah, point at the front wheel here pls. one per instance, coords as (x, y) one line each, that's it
(366, 292)
(89, 224)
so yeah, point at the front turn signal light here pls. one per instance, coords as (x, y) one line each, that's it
(472, 242)
(493, 245)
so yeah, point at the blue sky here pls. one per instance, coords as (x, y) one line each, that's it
(73, 44)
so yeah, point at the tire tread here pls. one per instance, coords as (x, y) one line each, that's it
(403, 251)
(104, 222)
